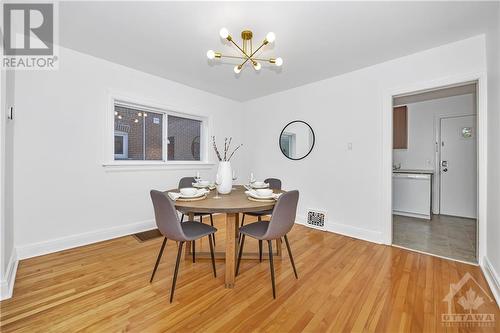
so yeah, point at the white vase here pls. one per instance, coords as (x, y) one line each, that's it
(226, 178)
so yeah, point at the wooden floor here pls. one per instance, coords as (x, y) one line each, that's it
(344, 285)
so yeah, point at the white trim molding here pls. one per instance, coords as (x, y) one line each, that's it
(345, 230)
(72, 241)
(492, 278)
(7, 284)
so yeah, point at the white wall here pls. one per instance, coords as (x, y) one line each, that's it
(493, 228)
(423, 117)
(341, 110)
(422, 120)
(64, 196)
(7, 257)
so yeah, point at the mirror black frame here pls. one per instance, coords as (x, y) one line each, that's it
(312, 146)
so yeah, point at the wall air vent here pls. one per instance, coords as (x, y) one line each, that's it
(316, 218)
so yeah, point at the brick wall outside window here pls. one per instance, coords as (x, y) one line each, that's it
(183, 135)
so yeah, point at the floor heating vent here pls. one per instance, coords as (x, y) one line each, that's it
(316, 219)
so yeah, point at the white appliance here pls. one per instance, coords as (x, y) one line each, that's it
(411, 195)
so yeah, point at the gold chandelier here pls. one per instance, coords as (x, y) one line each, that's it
(247, 50)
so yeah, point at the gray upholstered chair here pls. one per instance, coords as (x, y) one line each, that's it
(170, 227)
(281, 223)
(274, 184)
(188, 182)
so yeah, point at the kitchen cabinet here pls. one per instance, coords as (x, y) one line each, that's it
(400, 127)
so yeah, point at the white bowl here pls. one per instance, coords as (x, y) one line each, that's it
(264, 192)
(203, 183)
(259, 184)
(188, 191)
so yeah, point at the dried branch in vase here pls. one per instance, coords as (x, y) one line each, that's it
(227, 147)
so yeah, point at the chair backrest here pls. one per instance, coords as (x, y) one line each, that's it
(186, 182)
(283, 216)
(166, 216)
(274, 183)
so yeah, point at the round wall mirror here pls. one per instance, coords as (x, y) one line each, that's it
(297, 140)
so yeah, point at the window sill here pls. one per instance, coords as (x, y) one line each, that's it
(145, 166)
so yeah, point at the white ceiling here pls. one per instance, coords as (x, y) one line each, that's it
(316, 40)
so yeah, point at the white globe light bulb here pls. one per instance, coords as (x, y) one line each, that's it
(224, 33)
(237, 69)
(257, 66)
(270, 37)
(210, 54)
(278, 61)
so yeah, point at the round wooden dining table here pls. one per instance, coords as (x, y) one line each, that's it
(232, 205)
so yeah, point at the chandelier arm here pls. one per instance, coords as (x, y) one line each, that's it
(233, 57)
(251, 55)
(239, 48)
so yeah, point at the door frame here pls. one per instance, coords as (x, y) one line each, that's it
(480, 79)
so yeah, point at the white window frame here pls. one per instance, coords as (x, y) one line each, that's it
(149, 106)
(124, 135)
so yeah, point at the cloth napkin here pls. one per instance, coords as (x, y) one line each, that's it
(176, 195)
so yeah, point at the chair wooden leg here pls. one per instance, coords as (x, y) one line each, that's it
(212, 253)
(260, 250)
(194, 248)
(240, 254)
(158, 259)
(212, 224)
(271, 266)
(291, 257)
(242, 222)
(174, 278)
(259, 218)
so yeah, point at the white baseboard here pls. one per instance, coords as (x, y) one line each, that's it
(492, 277)
(7, 284)
(64, 243)
(346, 230)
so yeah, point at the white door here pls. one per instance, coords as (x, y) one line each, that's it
(458, 174)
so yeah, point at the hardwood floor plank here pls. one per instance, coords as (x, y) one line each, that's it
(344, 285)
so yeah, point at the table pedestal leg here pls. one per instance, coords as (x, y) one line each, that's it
(232, 220)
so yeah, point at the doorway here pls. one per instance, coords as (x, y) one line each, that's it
(435, 174)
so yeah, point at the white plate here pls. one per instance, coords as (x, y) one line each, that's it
(266, 185)
(256, 196)
(197, 195)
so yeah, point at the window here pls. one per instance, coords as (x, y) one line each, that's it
(139, 134)
(151, 134)
(121, 145)
(183, 139)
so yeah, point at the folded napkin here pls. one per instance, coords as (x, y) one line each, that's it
(176, 195)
